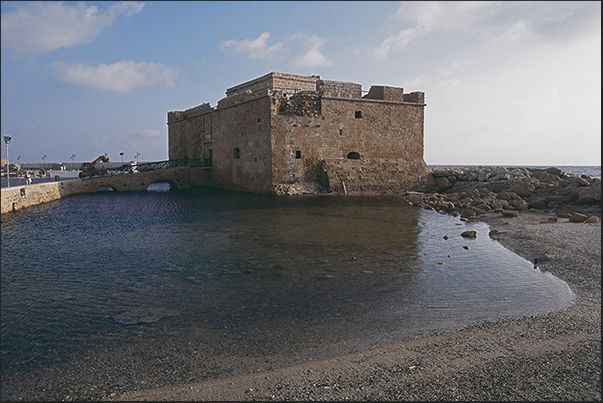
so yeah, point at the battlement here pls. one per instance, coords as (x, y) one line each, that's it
(280, 133)
(189, 113)
(287, 83)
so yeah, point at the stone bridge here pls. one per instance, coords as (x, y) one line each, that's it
(19, 197)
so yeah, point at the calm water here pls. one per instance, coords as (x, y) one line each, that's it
(112, 291)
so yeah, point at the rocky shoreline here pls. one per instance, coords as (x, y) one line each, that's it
(555, 356)
(474, 191)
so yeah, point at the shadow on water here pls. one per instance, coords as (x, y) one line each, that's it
(121, 290)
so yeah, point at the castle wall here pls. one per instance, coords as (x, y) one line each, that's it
(287, 83)
(190, 132)
(281, 130)
(375, 131)
(245, 127)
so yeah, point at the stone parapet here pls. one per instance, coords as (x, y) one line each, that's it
(20, 197)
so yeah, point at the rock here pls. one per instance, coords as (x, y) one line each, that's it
(494, 233)
(543, 258)
(578, 217)
(442, 182)
(465, 247)
(564, 215)
(510, 213)
(445, 236)
(469, 234)
(554, 171)
(522, 189)
(593, 220)
(504, 196)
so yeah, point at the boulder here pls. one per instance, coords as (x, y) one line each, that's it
(523, 189)
(442, 182)
(469, 234)
(578, 217)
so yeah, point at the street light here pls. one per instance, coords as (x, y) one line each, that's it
(122, 158)
(7, 140)
(136, 156)
(72, 162)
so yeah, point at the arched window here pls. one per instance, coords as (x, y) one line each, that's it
(353, 156)
(236, 153)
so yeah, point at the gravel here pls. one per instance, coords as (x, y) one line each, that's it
(554, 356)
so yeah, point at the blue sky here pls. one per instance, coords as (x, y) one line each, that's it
(506, 83)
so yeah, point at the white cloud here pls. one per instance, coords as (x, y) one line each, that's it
(501, 22)
(120, 77)
(43, 27)
(396, 42)
(255, 48)
(149, 133)
(313, 57)
(431, 16)
(438, 16)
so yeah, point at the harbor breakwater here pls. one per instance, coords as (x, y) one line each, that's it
(472, 191)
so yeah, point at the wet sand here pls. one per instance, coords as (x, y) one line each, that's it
(554, 356)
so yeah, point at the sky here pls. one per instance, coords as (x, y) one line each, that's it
(505, 83)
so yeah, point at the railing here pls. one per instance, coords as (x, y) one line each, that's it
(133, 168)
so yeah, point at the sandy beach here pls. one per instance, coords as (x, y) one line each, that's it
(554, 356)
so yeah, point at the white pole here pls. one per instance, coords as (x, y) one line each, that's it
(7, 140)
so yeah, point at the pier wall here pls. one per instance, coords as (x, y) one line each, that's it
(20, 197)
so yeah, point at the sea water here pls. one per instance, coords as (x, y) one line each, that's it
(115, 291)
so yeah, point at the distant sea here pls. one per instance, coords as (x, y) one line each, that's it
(594, 171)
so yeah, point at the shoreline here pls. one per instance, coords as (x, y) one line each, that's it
(554, 356)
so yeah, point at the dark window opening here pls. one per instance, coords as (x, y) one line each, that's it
(358, 114)
(298, 154)
(255, 159)
(341, 132)
(259, 120)
(236, 153)
(353, 156)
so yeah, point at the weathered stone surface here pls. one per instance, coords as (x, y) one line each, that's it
(20, 197)
(289, 134)
(518, 189)
(469, 234)
(578, 217)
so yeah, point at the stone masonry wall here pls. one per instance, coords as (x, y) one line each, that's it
(283, 138)
(20, 197)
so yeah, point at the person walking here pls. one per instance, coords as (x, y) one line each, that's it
(27, 178)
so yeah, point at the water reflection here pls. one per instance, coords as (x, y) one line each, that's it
(225, 283)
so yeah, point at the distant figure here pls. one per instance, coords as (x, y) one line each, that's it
(48, 173)
(27, 178)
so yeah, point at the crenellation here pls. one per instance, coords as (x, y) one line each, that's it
(283, 133)
(338, 89)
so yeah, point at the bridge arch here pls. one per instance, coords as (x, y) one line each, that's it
(161, 185)
(106, 189)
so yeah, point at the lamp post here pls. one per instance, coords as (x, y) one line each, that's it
(122, 158)
(136, 156)
(72, 162)
(7, 140)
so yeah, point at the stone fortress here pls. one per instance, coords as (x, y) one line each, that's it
(289, 134)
